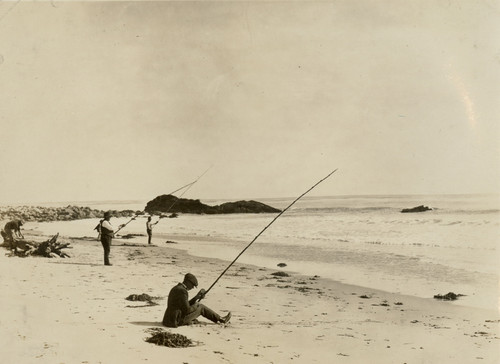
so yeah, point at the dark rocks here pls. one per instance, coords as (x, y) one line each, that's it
(420, 208)
(281, 265)
(41, 214)
(239, 207)
(170, 203)
(450, 296)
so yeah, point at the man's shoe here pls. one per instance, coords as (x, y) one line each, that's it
(225, 319)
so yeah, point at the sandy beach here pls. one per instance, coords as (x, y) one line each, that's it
(74, 311)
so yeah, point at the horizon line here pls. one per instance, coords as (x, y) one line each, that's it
(137, 200)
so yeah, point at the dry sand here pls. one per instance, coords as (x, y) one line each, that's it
(74, 311)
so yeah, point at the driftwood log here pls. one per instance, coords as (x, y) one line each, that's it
(48, 249)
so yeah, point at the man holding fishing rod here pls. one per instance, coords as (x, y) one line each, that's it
(181, 311)
(107, 234)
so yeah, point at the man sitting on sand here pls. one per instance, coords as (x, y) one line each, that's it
(181, 311)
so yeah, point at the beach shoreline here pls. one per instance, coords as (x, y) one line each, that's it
(74, 311)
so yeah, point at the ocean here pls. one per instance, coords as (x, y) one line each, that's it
(360, 240)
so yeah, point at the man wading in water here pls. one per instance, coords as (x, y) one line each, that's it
(181, 311)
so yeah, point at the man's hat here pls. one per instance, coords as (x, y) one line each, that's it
(107, 214)
(191, 278)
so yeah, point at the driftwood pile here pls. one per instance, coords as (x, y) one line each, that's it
(48, 249)
(165, 338)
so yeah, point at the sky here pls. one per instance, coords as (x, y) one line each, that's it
(131, 100)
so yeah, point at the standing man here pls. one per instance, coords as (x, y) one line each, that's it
(107, 235)
(181, 311)
(149, 229)
(98, 229)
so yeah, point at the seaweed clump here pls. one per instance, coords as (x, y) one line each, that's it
(280, 274)
(165, 338)
(143, 298)
(140, 297)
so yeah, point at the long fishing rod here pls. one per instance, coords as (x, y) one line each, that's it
(259, 234)
(143, 211)
(128, 222)
(190, 185)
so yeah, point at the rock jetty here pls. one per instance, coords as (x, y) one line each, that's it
(170, 203)
(43, 214)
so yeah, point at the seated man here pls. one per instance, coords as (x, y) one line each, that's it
(180, 311)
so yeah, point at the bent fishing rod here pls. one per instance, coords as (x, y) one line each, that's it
(260, 233)
(189, 185)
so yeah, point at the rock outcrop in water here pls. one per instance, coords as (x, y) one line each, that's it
(170, 203)
(420, 208)
(450, 296)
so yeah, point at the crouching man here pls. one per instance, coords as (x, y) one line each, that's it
(11, 232)
(181, 311)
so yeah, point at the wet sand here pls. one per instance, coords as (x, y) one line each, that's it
(74, 311)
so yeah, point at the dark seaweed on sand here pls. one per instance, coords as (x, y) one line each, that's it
(165, 338)
(280, 274)
(141, 297)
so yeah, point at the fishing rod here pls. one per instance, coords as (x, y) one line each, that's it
(259, 234)
(128, 222)
(190, 185)
(143, 211)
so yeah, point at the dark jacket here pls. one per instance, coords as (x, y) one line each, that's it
(12, 226)
(178, 306)
(106, 232)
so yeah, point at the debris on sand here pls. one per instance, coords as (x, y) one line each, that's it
(130, 236)
(143, 298)
(450, 296)
(165, 338)
(280, 274)
(48, 249)
(281, 265)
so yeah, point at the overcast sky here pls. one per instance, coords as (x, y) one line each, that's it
(130, 100)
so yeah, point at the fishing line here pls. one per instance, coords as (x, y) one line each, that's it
(178, 198)
(189, 185)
